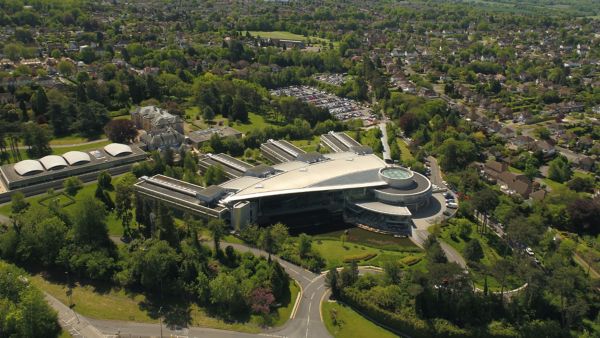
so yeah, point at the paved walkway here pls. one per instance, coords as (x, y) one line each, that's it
(69, 145)
(70, 321)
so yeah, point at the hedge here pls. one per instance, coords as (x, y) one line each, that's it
(407, 325)
(363, 257)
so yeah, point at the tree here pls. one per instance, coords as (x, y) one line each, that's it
(217, 230)
(581, 184)
(559, 169)
(18, 202)
(485, 201)
(239, 111)
(23, 310)
(214, 175)
(165, 226)
(332, 282)
(456, 154)
(225, 292)
(120, 131)
(59, 119)
(473, 250)
(584, 214)
(66, 68)
(89, 222)
(393, 271)
(39, 102)
(280, 234)
(91, 119)
(124, 202)
(37, 140)
(208, 113)
(72, 185)
(304, 245)
(261, 299)
(266, 241)
(104, 180)
(87, 55)
(158, 266)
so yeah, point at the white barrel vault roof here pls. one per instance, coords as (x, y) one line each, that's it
(76, 157)
(51, 162)
(28, 167)
(117, 149)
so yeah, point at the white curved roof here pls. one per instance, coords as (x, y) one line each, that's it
(28, 167)
(51, 162)
(76, 157)
(117, 149)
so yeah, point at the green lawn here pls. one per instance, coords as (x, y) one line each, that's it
(64, 334)
(83, 147)
(255, 122)
(286, 36)
(406, 154)
(307, 145)
(372, 239)
(284, 312)
(337, 254)
(349, 323)
(552, 184)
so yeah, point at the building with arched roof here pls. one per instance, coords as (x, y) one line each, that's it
(28, 167)
(76, 157)
(117, 149)
(53, 162)
(49, 171)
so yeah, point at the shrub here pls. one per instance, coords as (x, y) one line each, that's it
(72, 185)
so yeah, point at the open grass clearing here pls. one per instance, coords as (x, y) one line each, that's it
(338, 254)
(308, 145)
(282, 35)
(349, 323)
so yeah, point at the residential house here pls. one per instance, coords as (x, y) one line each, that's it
(511, 183)
(154, 119)
(160, 140)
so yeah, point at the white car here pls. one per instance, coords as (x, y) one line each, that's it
(529, 251)
(452, 205)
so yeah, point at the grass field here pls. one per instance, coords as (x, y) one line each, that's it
(286, 36)
(337, 254)
(349, 323)
(307, 145)
(371, 239)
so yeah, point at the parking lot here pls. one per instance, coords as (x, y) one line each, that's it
(340, 108)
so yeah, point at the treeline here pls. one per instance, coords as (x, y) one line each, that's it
(160, 259)
(442, 302)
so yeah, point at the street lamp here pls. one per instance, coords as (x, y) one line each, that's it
(160, 320)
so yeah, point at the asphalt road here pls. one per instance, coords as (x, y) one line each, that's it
(384, 140)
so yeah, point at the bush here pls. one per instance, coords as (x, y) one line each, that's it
(72, 185)
(357, 258)
(473, 251)
(410, 260)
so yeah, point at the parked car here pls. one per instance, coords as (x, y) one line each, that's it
(447, 213)
(452, 205)
(529, 251)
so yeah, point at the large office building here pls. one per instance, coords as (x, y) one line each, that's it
(35, 176)
(354, 185)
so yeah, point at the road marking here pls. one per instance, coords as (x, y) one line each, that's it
(321, 305)
(308, 319)
(312, 296)
(293, 270)
(295, 309)
(320, 287)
